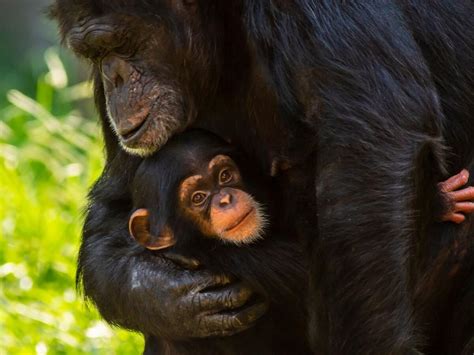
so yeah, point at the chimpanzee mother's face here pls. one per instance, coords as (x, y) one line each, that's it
(148, 67)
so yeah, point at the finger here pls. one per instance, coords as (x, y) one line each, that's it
(455, 182)
(182, 261)
(466, 207)
(190, 282)
(454, 217)
(225, 324)
(198, 280)
(224, 298)
(466, 194)
(214, 281)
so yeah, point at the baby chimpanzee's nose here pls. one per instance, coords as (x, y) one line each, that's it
(225, 200)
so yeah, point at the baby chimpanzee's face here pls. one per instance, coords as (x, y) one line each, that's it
(214, 199)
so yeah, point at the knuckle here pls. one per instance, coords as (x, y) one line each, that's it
(220, 333)
(202, 281)
(221, 300)
(235, 321)
(201, 323)
(228, 299)
(225, 322)
(196, 301)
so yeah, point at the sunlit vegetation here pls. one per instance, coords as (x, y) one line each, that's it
(49, 155)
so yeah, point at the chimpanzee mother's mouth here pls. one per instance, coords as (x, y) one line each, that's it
(133, 134)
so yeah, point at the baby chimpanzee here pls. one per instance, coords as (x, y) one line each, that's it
(199, 197)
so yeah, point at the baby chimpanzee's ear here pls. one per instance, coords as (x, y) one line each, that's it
(139, 227)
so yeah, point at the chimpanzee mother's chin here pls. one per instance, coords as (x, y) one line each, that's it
(153, 134)
(149, 142)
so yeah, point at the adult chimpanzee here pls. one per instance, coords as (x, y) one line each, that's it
(199, 198)
(360, 100)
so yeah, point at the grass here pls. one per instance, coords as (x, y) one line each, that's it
(49, 155)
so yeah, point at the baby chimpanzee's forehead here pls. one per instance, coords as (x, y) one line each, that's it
(204, 162)
(208, 166)
(185, 154)
(194, 148)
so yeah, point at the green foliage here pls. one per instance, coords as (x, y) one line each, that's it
(49, 155)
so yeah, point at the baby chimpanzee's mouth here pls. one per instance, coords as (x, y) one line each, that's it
(240, 221)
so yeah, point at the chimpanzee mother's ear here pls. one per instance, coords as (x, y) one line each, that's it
(139, 227)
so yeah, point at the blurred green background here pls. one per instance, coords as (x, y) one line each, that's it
(50, 153)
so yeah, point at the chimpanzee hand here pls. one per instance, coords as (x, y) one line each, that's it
(196, 303)
(459, 199)
(144, 291)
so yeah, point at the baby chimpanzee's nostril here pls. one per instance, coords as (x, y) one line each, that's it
(225, 200)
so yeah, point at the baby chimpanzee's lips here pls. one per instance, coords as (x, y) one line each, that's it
(241, 220)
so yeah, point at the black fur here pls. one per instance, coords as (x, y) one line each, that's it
(372, 103)
(274, 266)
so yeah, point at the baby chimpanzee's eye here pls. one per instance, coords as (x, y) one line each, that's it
(225, 176)
(198, 198)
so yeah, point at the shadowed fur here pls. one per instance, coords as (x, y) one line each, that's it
(364, 99)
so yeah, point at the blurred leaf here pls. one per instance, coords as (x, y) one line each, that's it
(49, 155)
(57, 76)
(77, 92)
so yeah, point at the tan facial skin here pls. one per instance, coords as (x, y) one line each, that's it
(216, 202)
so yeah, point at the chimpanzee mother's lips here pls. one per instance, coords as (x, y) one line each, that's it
(135, 128)
(136, 132)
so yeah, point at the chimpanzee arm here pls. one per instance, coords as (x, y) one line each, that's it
(379, 128)
(139, 289)
(377, 121)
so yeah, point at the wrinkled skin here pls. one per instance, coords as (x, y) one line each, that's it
(190, 307)
(142, 96)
